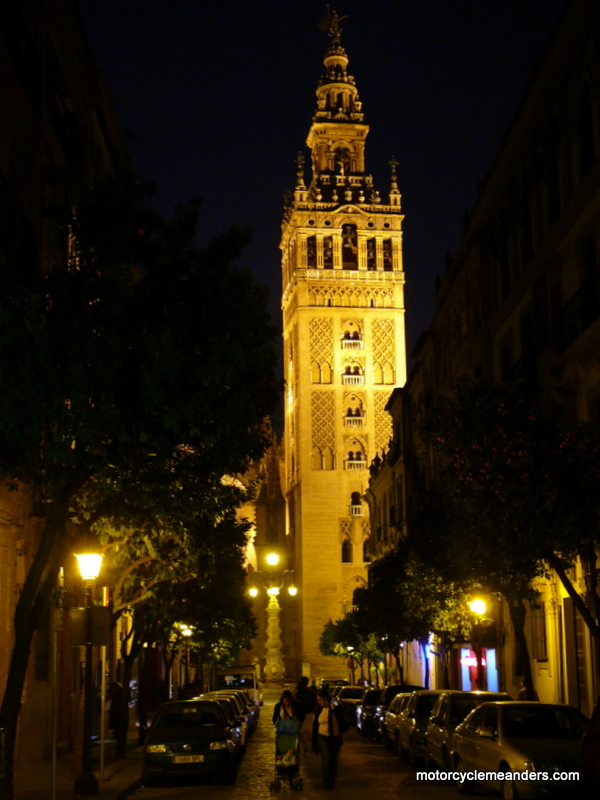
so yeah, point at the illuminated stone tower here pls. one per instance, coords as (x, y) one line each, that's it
(344, 350)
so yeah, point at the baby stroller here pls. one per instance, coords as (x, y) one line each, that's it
(287, 755)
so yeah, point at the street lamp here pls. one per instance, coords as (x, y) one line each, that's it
(273, 580)
(89, 567)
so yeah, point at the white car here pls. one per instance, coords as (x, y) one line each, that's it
(517, 738)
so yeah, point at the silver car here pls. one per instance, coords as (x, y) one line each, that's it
(517, 738)
(450, 710)
(412, 723)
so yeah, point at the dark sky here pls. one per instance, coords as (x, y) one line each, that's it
(217, 99)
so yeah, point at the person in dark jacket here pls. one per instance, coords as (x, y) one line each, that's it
(328, 727)
(288, 708)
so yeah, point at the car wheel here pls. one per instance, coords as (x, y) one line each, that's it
(414, 753)
(463, 786)
(428, 763)
(509, 791)
(229, 773)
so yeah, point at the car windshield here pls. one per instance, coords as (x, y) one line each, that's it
(236, 681)
(371, 698)
(425, 703)
(188, 716)
(462, 704)
(543, 722)
(351, 694)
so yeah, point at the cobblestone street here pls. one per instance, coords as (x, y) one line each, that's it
(367, 771)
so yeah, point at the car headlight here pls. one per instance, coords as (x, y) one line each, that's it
(156, 748)
(530, 766)
(226, 745)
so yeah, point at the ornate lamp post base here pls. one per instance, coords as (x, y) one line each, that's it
(274, 669)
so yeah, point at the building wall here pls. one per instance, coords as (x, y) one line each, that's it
(57, 131)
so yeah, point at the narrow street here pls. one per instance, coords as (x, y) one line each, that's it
(367, 771)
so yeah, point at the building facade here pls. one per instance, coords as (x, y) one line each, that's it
(344, 350)
(521, 300)
(58, 131)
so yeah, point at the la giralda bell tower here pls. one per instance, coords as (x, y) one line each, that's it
(344, 351)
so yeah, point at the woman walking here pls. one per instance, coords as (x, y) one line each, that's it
(328, 727)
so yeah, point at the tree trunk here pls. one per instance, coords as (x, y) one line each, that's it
(518, 612)
(143, 695)
(399, 669)
(34, 597)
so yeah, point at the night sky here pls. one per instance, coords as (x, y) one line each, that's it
(217, 99)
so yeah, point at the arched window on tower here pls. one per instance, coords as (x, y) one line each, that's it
(356, 508)
(311, 252)
(366, 554)
(371, 255)
(346, 551)
(387, 255)
(317, 459)
(349, 247)
(328, 254)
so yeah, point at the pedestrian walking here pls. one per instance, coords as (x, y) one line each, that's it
(328, 727)
(307, 700)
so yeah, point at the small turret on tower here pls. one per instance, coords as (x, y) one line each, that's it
(394, 191)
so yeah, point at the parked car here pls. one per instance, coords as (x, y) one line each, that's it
(590, 751)
(389, 726)
(520, 736)
(412, 723)
(189, 737)
(327, 683)
(449, 710)
(242, 712)
(347, 698)
(386, 698)
(365, 711)
(237, 723)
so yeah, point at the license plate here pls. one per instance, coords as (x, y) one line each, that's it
(187, 759)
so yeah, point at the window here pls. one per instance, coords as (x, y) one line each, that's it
(346, 551)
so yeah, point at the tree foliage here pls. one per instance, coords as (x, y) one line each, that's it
(519, 495)
(136, 372)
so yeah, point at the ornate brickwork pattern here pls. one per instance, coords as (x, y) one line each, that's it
(323, 420)
(383, 421)
(356, 298)
(366, 530)
(384, 342)
(346, 529)
(321, 340)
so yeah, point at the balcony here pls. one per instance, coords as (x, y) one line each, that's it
(353, 422)
(353, 380)
(352, 344)
(356, 511)
(355, 465)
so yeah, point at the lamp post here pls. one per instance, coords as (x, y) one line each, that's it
(273, 580)
(478, 607)
(86, 782)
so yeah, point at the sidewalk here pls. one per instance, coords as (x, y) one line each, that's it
(121, 778)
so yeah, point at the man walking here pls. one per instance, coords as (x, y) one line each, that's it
(328, 727)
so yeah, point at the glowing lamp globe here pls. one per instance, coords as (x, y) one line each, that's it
(253, 591)
(293, 590)
(272, 559)
(273, 591)
(478, 606)
(89, 565)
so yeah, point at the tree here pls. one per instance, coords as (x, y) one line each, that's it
(138, 345)
(408, 600)
(519, 495)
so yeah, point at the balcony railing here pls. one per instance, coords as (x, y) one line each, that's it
(352, 344)
(353, 380)
(355, 464)
(353, 422)
(356, 511)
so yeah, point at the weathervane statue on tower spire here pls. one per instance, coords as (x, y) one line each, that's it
(331, 22)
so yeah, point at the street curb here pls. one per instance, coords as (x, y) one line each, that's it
(134, 786)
